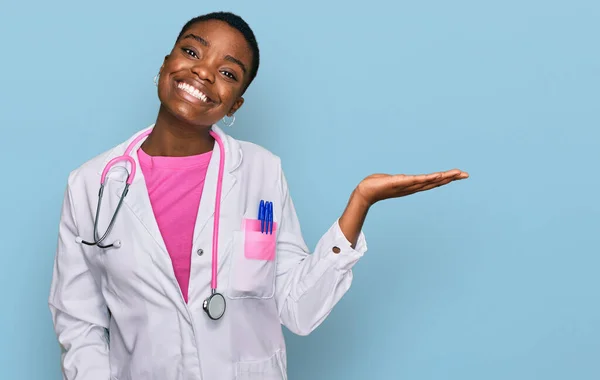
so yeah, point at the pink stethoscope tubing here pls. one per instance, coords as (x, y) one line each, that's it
(130, 177)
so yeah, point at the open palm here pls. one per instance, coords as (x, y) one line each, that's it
(377, 187)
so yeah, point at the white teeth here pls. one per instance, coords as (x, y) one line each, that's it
(193, 91)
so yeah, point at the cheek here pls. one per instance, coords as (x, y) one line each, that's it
(228, 97)
(164, 88)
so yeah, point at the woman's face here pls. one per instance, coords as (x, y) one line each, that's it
(204, 76)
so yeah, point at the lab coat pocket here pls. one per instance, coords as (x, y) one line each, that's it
(259, 245)
(269, 369)
(253, 262)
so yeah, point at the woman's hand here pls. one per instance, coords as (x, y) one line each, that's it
(378, 187)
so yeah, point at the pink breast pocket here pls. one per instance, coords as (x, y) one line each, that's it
(259, 245)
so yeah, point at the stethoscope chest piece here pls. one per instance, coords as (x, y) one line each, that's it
(214, 306)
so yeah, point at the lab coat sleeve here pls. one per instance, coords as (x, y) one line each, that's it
(309, 285)
(79, 313)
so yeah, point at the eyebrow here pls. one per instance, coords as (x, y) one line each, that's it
(238, 62)
(197, 38)
(227, 58)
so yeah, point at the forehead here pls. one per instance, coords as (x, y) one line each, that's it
(221, 37)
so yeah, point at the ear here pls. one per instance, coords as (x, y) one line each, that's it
(236, 106)
(164, 63)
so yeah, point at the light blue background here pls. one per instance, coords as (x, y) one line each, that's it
(491, 278)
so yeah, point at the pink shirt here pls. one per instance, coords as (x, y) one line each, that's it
(175, 187)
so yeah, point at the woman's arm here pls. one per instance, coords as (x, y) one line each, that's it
(378, 187)
(79, 313)
(309, 285)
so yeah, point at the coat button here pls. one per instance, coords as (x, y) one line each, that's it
(336, 250)
(200, 252)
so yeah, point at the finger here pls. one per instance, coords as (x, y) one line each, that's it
(434, 185)
(421, 178)
(404, 180)
(426, 186)
(452, 173)
(458, 173)
(410, 180)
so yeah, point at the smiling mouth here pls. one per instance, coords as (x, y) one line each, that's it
(193, 91)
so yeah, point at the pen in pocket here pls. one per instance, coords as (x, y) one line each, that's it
(265, 215)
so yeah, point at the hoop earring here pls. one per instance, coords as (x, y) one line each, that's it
(232, 121)
(156, 78)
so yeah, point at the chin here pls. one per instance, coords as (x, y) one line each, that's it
(188, 115)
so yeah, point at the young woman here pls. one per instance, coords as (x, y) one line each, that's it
(190, 260)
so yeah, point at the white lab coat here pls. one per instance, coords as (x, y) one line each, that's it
(119, 313)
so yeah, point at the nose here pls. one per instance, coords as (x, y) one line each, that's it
(204, 71)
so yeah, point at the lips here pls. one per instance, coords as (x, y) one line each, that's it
(195, 91)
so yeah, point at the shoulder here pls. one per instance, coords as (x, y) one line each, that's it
(90, 171)
(256, 154)
(261, 166)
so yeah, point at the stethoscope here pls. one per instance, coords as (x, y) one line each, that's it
(214, 305)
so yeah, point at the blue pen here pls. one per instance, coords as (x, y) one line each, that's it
(268, 216)
(267, 205)
(261, 215)
(271, 218)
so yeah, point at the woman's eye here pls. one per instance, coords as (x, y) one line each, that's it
(229, 75)
(190, 52)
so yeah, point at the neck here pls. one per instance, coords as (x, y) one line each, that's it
(174, 138)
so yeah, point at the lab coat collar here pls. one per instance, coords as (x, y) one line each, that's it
(233, 151)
